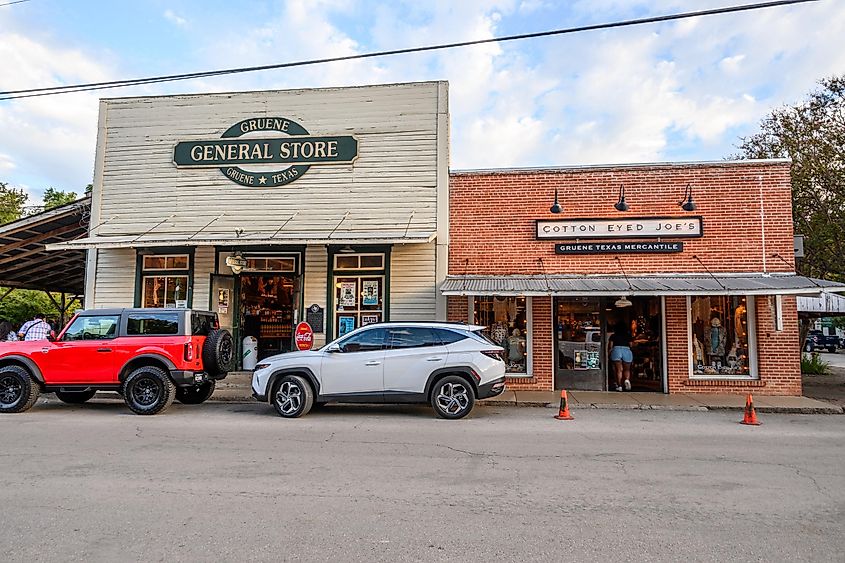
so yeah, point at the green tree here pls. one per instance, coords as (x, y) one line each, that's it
(12, 203)
(57, 198)
(812, 134)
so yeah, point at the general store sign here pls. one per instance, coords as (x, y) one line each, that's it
(632, 227)
(237, 156)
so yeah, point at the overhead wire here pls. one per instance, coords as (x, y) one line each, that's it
(54, 90)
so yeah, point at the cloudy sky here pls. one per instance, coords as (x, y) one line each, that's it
(674, 91)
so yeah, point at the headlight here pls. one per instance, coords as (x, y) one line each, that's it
(261, 366)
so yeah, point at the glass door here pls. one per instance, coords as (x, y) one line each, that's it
(580, 344)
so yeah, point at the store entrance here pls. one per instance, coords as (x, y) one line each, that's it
(583, 329)
(267, 307)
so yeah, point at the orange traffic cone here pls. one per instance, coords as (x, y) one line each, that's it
(750, 414)
(563, 411)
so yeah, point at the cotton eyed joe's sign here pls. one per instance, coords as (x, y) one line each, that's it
(631, 227)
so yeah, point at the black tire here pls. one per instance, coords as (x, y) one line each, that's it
(452, 397)
(831, 349)
(148, 390)
(18, 391)
(292, 396)
(195, 394)
(75, 397)
(218, 352)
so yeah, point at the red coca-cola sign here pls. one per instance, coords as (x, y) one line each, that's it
(303, 336)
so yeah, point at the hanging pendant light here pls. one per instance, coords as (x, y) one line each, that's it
(556, 208)
(621, 205)
(688, 204)
(623, 302)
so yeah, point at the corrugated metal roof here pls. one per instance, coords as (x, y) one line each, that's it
(676, 284)
(826, 304)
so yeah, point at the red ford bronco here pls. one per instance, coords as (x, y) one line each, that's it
(150, 356)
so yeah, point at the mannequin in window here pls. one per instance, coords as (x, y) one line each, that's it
(715, 340)
(516, 347)
(739, 321)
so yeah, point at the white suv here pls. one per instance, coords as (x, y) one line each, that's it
(449, 365)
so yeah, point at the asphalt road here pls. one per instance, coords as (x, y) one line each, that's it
(233, 482)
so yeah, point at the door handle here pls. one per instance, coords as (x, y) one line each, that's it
(103, 349)
(372, 363)
(435, 359)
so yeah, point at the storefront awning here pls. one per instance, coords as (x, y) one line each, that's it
(675, 284)
(229, 239)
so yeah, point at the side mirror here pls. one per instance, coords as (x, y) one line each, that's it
(333, 349)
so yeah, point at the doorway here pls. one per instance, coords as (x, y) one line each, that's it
(583, 328)
(268, 303)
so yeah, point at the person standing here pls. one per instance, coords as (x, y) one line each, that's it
(7, 332)
(621, 355)
(36, 329)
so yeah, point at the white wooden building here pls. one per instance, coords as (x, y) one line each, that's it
(331, 203)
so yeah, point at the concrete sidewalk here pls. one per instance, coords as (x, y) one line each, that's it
(236, 388)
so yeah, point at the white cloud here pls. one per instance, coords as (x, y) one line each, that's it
(175, 18)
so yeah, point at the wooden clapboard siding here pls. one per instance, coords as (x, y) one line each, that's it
(396, 170)
(203, 268)
(316, 264)
(115, 279)
(412, 283)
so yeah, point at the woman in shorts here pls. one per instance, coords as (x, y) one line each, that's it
(621, 355)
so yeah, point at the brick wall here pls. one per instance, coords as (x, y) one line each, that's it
(492, 222)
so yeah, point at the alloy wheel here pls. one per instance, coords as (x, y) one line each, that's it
(11, 390)
(289, 397)
(146, 391)
(453, 398)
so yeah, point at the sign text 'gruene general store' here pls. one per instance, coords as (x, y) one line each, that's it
(296, 148)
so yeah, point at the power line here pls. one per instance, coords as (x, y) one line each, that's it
(15, 2)
(49, 91)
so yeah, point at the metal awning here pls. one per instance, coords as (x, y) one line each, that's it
(666, 284)
(232, 239)
(26, 264)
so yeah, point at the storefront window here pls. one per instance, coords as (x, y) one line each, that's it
(506, 320)
(165, 280)
(720, 336)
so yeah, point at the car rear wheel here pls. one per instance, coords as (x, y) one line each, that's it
(452, 397)
(18, 391)
(292, 396)
(148, 390)
(195, 394)
(75, 397)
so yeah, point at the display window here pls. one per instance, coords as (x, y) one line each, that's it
(164, 280)
(722, 334)
(359, 301)
(506, 322)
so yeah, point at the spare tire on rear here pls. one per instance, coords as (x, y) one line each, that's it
(218, 352)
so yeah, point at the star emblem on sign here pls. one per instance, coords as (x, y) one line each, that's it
(262, 179)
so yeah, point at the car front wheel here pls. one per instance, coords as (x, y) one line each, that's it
(18, 391)
(292, 396)
(452, 397)
(148, 390)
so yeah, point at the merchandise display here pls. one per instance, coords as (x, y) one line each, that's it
(506, 321)
(720, 336)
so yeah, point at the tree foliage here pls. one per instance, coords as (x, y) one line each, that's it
(812, 134)
(57, 198)
(21, 305)
(12, 203)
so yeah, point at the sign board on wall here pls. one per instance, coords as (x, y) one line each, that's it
(314, 317)
(629, 227)
(619, 247)
(293, 147)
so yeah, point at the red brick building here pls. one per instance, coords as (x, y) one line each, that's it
(706, 291)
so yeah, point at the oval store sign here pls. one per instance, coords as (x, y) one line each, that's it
(295, 147)
(303, 336)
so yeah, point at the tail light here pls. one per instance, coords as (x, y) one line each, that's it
(189, 351)
(495, 354)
